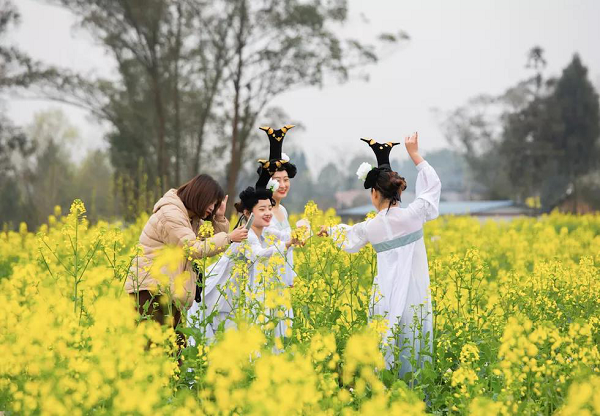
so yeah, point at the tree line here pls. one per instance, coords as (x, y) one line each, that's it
(193, 78)
(539, 140)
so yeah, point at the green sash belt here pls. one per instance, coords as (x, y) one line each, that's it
(398, 242)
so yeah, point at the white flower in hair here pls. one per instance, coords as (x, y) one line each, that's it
(363, 171)
(285, 157)
(273, 184)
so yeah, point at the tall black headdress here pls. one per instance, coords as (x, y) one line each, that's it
(382, 153)
(250, 196)
(276, 160)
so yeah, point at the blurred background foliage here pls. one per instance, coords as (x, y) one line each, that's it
(194, 79)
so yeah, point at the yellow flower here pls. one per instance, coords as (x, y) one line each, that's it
(516, 325)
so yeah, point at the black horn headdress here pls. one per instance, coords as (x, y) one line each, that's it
(262, 190)
(382, 153)
(276, 160)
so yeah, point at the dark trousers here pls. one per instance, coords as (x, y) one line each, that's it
(155, 307)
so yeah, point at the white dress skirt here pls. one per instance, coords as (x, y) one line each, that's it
(222, 283)
(282, 230)
(401, 288)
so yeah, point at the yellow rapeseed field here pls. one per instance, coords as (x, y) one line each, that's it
(517, 327)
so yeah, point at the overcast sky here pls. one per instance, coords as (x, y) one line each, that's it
(458, 49)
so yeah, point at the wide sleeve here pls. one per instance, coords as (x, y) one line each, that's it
(177, 231)
(428, 189)
(281, 235)
(257, 251)
(217, 273)
(350, 238)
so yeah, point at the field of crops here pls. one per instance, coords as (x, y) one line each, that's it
(517, 328)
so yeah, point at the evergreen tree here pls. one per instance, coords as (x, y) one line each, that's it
(577, 103)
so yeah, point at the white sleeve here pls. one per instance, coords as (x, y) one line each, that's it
(428, 188)
(281, 235)
(256, 250)
(355, 236)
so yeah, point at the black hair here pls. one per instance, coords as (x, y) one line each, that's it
(249, 197)
(288, 167)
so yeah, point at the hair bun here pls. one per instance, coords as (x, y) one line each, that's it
(239, 207)
(402, 183)
(397, 181)
(247, 200)
(291, 169)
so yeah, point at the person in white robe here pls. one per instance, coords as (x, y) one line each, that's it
(282, 171)
(280, 226)
(401, 291)
(283, 232)
(225, 284)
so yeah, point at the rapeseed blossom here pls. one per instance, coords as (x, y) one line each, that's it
(517, 325)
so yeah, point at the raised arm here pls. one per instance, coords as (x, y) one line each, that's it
(219, 221)
(428, 185)
(220, 224)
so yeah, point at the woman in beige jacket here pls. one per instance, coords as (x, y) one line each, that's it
(175, 221)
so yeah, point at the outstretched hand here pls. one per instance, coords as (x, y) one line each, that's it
(296, 242)
(323, 231)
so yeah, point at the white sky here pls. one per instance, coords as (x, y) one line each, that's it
(458, 49)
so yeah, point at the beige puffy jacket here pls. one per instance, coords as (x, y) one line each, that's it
(170, 224)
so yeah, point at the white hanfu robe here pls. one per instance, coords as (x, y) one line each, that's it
(401, 287)
(282, 230)
(218, 295)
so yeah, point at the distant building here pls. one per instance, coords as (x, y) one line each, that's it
(501, 210)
